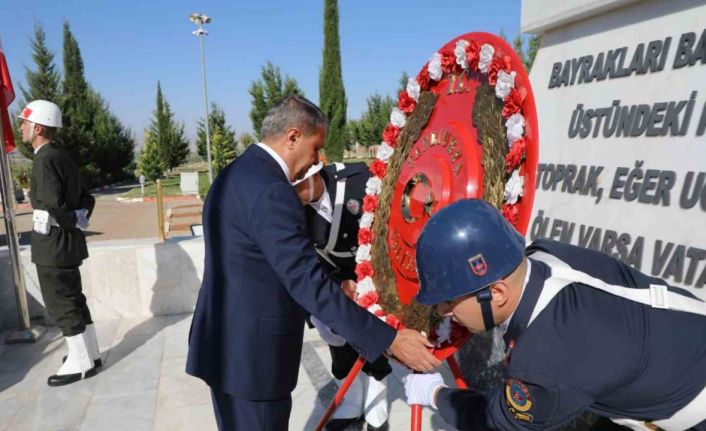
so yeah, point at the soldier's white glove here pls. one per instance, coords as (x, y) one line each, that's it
(326, 334)
(81, 218)
(421, 388)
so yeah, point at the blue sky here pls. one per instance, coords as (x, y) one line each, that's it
(128, 45)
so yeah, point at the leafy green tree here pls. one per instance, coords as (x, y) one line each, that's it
(216, 119)
(246, 139)
(222, 149)
(150, 163)
(168, 134)
(332, 95)
(369, 128)
(268, 91)
(404, 78)
(535, 41)
(518, 46)
(101, 146)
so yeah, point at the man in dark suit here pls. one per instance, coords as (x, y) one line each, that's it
(62, 205)
(262, 279)
(333, 196)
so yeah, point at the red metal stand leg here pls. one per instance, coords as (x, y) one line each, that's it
(416, 418)
(456, 371)
(341, 393)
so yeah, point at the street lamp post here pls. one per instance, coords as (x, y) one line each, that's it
(201, 19)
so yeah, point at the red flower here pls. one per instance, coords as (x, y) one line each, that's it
(448, 60)
(423, 78)
(514, 157)
(370, 203)
(364, 269)
(379, 313)
(513, 102)
(406, 103)
(510, 213)
(472, 54)
(365, 236)
(378, 168)
(493, 70)
(368, 299)
(391, 134)
(392, 321)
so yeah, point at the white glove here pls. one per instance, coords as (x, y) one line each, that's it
(421, 388)
(326, 334)
(41, 221)
(81, 218)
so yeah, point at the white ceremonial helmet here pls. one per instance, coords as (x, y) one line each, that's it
(310, 173)
(42, 112)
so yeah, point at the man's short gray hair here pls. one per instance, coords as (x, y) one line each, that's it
(293, 111)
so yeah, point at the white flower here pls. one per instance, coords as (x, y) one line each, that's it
(365, 286)
(385, 151)
(376, 307)
(363, 253)
(506, 82)
(486, 56)
(515, 126)
(434, 67)
(373, 186)
(366, 220)
(397, 117)
(413, 89)
(460, 52)
(443, 332)
(514, 188)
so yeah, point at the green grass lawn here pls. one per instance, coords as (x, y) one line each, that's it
(170, 187)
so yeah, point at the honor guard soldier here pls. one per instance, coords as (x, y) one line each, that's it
(333, 196)
(62, 206)
(584, 331)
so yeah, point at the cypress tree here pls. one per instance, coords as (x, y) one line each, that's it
(332, 95)
(150, 163)
(168, 135)
(246, 139)
(222, 149)
(216, 119)
(518, 46)
(535, 41)
(268, 91)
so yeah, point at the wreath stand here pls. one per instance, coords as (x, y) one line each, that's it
(416, 424)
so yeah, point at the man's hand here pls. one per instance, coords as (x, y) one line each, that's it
(410, 347)
(348, 287)
(422, 388)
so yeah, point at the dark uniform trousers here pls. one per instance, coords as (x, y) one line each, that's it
(350, 181)
(64, 299)
(57, 187)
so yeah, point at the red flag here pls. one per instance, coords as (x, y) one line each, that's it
(7, 95)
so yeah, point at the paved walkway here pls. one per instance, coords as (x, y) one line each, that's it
(143, 385)
(115, 219)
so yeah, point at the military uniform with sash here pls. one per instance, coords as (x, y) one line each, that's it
(336, 243)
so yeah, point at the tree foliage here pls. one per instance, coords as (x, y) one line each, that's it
(332, 95)
(216, 120)
(168, 134)
(268, 91)
(150, 163)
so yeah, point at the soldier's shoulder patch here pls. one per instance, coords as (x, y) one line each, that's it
(519, 400)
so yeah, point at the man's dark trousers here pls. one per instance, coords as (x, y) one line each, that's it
(236, 414)
(64, 299)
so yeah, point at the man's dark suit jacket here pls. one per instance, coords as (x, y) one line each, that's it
(57, 188)
(261, 279)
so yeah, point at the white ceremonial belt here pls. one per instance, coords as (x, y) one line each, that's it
(688, 416)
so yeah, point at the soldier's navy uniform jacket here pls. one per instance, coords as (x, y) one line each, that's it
(574, 346)
(336, 243)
